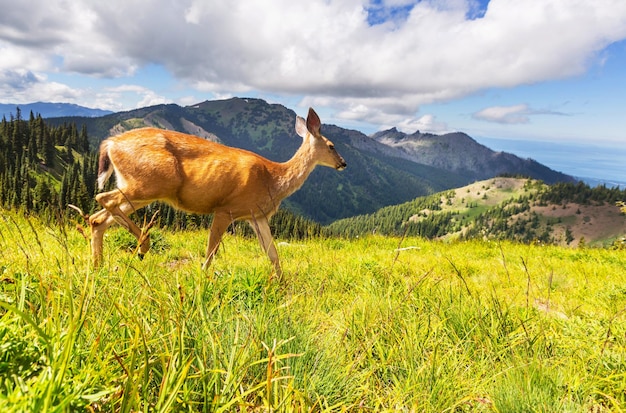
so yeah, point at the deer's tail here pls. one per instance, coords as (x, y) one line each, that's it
(105, 167)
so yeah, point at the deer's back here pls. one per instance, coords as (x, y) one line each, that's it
(192, 173)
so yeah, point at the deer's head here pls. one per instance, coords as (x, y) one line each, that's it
(322, 148)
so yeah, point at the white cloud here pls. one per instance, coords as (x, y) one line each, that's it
(326, 50)
(425, 124)
(120, 97)
(187, 100)
(20, 59)
(23, 86)
(504, 114)
(387, 114)
(515, 114)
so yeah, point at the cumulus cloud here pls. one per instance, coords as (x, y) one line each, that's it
(111, 97)
(504, 114)
(400, 118)
(369, 59)
(425, 124)
(24, 86)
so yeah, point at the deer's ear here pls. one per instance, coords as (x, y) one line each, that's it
(313, 122)
(301, 129)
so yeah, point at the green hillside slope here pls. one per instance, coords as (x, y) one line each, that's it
(502, 208)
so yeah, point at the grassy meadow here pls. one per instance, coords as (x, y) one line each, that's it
(372, 324)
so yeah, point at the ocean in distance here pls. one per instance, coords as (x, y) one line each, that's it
(593, 164)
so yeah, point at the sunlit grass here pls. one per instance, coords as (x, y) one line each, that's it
(356, 325)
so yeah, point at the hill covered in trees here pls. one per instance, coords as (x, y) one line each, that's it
(43, 167)
(519, 209)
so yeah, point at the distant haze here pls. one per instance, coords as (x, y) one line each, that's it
(49, 110)
(602, 163)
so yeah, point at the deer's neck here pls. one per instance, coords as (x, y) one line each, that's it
(295, 171)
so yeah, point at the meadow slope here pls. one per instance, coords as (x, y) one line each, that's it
(370, 324)
(500, 208)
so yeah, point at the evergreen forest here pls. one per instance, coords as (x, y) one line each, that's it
(43, 168)
(446, 215)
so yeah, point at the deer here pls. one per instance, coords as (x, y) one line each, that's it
(196, 175)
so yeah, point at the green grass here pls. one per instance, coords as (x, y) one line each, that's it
(356, 325)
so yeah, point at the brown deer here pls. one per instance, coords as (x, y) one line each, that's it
(203, 177)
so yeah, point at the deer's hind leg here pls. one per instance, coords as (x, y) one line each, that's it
(116, 209)
(99, 222)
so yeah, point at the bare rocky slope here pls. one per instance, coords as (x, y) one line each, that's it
(457, 152)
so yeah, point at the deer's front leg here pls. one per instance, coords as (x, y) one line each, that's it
(261, 227)
(119, 208)
(218, 227)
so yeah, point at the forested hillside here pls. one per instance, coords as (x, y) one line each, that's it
(509, 208)
(43, 167)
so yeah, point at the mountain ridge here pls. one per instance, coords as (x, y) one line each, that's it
(377, 175)
(50, 110)
(427, 148)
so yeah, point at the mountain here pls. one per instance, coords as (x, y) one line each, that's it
(49, 110)
(378, 174)
(459, 153)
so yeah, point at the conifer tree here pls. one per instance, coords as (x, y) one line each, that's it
(49, 150)
(83, 140)
(32, 148)
(42, 195)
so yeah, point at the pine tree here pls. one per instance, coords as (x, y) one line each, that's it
(42, 195)
(64, 195)
(16, 189)
(83, 140)
(49, 150)
(32, 148)
(17, 136)
(38, 128)
(69, 155)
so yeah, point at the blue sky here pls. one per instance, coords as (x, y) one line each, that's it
(544, 70)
